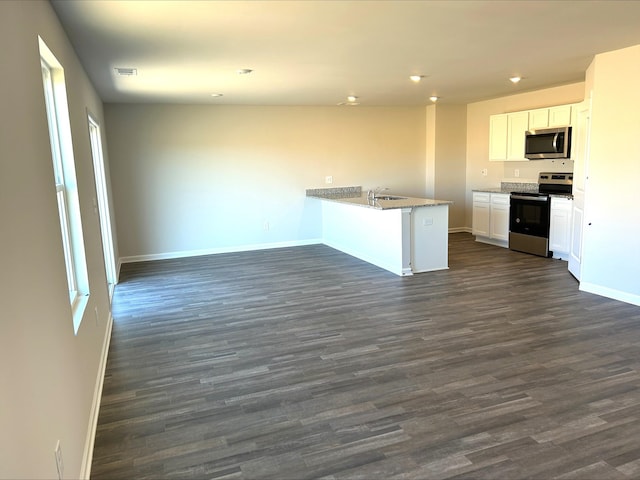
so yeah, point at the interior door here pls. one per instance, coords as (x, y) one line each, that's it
(580, 177)
(102, 204)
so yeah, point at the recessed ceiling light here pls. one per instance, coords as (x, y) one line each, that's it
(515, 79)
(216, 94)
(126, 71)
(244, 71)
(434, 99)
(352, 98)
(416, 78)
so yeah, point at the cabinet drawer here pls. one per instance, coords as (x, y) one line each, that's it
(481, 197)
(499, 199)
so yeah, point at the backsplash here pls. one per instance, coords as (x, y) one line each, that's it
(335, 192)
(518, 187)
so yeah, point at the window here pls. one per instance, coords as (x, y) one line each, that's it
(65, 180)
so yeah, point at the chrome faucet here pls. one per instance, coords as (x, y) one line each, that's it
(372, 194)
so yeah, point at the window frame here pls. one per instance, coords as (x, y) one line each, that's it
(64, 173)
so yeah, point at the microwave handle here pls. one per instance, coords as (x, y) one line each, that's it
(555, 142)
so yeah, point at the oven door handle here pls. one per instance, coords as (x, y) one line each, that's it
(542, 198)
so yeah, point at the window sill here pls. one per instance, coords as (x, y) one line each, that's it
(78, 311)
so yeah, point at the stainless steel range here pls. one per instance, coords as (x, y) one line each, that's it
(530, 212)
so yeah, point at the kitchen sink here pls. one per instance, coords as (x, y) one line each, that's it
(389, 197)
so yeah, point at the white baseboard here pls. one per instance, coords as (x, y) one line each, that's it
(214, 251)
(626, 297)
(395, 269)
(460, 230)
(241, 248)
(491, 241)
(87, 457)
(118, 267)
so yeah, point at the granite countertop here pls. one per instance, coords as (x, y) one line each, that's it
(354, 196)
(491, 190)
(508, 187)
(379, 204)
(509, 190)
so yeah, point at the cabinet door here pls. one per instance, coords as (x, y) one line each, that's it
(538, 118)
(498, 137)
(499, 217)
(560, 116)
(560, 227)
(481, 211)
(517, 125)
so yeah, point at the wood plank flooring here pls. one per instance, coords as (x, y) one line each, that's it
(303, 363)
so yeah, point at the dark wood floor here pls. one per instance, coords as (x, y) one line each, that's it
(304, 363)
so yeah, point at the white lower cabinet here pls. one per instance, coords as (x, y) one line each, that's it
(490, 222)
(560, 227)
(500, 217)
(481, 214)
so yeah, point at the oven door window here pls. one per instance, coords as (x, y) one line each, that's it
(530, 217)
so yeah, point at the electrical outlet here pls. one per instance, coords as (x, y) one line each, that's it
(59, 463)
(516, 173)
(328, 179)
(266, 226)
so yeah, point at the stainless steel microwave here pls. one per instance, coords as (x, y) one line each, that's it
(548, 143)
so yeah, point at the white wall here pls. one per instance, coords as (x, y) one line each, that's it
(48, 375)
(430, 153)
(448, 139)
(478, 138)
(611, 257)
(189, 179)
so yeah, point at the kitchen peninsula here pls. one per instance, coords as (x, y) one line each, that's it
(404, 235)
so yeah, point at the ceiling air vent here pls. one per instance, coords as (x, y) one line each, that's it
(126, 72)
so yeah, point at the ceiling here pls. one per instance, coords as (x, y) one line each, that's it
(305, 52)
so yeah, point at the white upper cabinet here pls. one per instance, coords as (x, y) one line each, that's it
(506, 136)
(560, 116)
(518, 124)
(498, 137)
(538, 118)
(507, 130)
